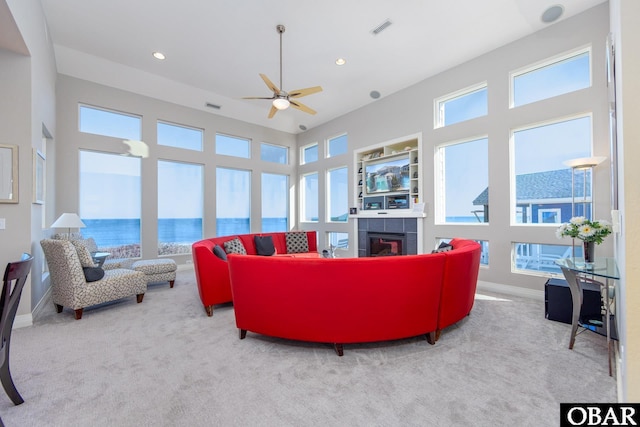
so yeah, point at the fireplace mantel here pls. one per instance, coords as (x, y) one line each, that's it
(404, 213)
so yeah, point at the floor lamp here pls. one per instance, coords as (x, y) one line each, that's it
(584, 164)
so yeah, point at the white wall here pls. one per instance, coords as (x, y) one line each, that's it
(411, 111)
(624, 25)
(27, 84)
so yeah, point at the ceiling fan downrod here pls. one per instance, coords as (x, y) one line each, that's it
(280, 28)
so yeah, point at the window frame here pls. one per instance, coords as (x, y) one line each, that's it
(193, 128)
(513, 205)
(288, 201)
(286, 162)
(302, 152)
(112, 111)
(440, 210)
(438, 103)
(328, 154)
(328, 194)
(249, 141)
(303, 197)
(547, 62)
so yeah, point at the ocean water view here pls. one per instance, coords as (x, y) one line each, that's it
(116, 232)
(471, 218)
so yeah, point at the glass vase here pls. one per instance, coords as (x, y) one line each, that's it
(589, 252)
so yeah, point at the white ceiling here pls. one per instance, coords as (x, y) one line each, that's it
(216, 48)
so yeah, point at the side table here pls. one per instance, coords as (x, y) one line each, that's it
(99, 257)
(576, 271)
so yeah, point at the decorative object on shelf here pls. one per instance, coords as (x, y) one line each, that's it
(415, 189)
(68, 221)
(415, 159)
(360, 170)
(353, 211)
(360, 182)
(415, 174)
(590, 232)
(360, 195)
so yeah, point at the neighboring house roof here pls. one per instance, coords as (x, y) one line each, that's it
(543, 185)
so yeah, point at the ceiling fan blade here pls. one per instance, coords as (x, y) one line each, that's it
(270, 84)
(272, 112)
(257, 97)
(300, 106)
(304, 92)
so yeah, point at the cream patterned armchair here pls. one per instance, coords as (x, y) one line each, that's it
(70, 288)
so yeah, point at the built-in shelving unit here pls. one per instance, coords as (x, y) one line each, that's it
(388, 176)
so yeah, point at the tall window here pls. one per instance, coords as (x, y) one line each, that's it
(309, 197)
(462, 105)
(233, 146)
(309, 153)
(551, 78)
(100, 121)
(275, 202)
(337, 146)
(541, 181)
(337, 197)
(110, 202)
(462, 193)
(180, 206)
(274, 153)
(179, 136)
(233, 201)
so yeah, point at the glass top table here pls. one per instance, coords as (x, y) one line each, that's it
(576, 271)
(601, 267)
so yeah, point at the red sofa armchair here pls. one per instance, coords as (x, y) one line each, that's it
(354, 300)
(212, 273)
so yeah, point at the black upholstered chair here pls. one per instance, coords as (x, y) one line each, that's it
(15, 276)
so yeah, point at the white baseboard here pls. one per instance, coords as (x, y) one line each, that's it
(511, 290)
(24, 320)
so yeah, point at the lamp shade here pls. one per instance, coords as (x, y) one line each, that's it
(585, 162)
(68, 220)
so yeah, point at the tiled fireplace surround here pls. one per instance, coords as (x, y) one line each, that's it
(409, 226)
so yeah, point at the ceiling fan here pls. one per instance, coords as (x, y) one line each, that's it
(281, 100)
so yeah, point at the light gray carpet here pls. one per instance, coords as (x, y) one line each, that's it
(165, 363)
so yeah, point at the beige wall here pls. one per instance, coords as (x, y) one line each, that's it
(411, 111)
(624, 25)
(27, 84)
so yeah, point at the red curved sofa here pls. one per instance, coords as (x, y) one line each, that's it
(353, 300)
(212, 273)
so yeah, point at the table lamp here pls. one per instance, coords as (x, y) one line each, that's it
(68, 221)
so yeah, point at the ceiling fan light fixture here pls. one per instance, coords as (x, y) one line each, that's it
(281, 103)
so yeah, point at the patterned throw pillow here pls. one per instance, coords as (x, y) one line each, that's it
(235, 246)
(86, 260)
(297, 242)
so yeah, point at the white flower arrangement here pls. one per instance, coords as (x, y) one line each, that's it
(584, 229)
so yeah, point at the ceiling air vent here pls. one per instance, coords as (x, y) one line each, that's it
(380, 28)
(210, 105)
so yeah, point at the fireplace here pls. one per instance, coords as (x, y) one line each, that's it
(386, 244)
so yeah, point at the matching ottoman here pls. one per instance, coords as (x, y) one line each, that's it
(157, 270)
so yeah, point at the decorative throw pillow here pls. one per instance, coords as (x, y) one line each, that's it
(443, 247)
(92, 274)
(235, 246)
(264, 245)
(86, 260)
(297, 242)
(219, 252)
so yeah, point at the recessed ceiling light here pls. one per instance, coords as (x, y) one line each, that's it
(552, 14)
(158, 55)
(341, 61)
